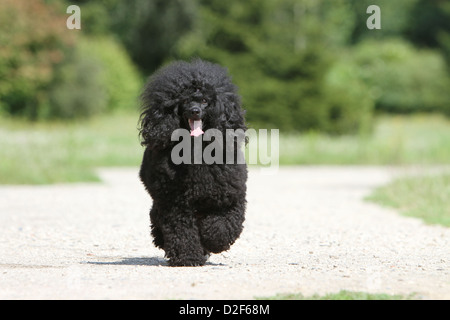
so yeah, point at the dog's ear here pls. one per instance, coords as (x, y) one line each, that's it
(157, 122)
(232, 115)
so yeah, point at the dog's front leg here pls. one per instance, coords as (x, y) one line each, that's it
(181, 238)
(220, 228)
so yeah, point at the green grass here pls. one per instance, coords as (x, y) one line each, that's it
(395, 140)
(52, 152)
(341, 295)
(424, 197)
(42, 153)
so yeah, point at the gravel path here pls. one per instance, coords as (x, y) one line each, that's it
(307, 230)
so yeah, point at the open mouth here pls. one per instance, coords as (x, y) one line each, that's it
(196, 127)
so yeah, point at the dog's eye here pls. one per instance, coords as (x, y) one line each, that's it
(204, 101)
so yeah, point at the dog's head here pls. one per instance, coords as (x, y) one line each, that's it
(195, 96)
(196, 109)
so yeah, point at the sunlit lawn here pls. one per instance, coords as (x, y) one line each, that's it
(39, 153)
(395, 140)
(426, 197)
(42, 153)
(341, 295)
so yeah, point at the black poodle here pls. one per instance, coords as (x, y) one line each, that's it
(198, 208)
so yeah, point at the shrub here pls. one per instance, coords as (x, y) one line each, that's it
(121, 79)
(47, 71)
(78, 91)
(34, 40)
(98, 77)
(402, 78)
(350, 104)
(150, 29)
(315, 93)
(334, 100)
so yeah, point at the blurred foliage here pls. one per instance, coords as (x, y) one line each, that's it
(279, 53)
(47, 71)
(308, 64)
(424, 23)
(395, 18)
(429, 23)
(403, 79)
(97, 77)
(148, 29)
(77, 90)
(120, 76)
(301, 65)
(33, 41)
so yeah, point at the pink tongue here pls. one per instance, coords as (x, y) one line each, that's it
(196, 127)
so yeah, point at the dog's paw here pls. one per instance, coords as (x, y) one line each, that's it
(188, 262)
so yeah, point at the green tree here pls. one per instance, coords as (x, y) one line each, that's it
(33, 42)
(279, 53)
(149, 30)
(395, 18)
(402, 78)
(429, 25)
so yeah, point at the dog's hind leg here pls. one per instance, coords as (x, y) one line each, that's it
(220, 229)
(156, 232)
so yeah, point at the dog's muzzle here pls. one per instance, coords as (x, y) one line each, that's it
(194, 116)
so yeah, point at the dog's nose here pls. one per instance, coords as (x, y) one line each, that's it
(195, 111)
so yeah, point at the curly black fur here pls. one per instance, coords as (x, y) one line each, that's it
(197, 208)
